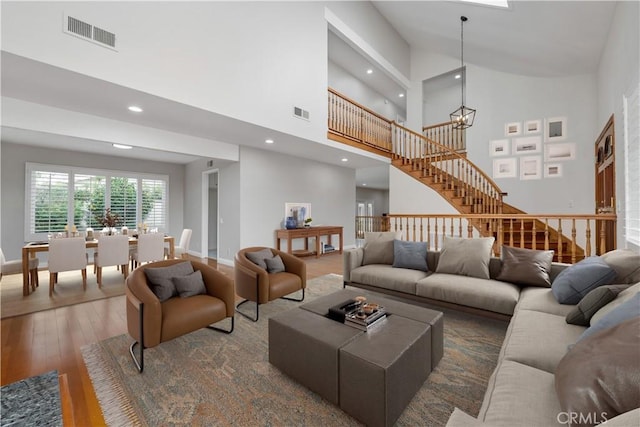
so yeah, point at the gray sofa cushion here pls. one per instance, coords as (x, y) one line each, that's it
(525, 266)
(275, 264)
(486, 294)
(259, 257)
(576, 281)
(622, 297)
(378, 247)
(160, 278)
(542, 299)
(412, 255)
(539, 339)
(466, 257)
(626, 263)
(592, 302)
(190, 285)
(387, 277)
(625, 311)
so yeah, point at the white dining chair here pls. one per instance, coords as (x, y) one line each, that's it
(15, 266)
(150, 248)
(112, 250)
(183, 246)
(67, 254)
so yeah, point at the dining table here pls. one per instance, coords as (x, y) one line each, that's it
(32, 248)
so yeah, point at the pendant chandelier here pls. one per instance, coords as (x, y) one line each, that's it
(463, 117)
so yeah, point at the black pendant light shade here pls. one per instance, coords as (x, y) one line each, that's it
(463, 117)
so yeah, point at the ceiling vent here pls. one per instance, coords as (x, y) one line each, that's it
(86, 31)
(300, 113)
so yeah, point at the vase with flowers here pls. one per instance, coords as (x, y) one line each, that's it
(109, 220)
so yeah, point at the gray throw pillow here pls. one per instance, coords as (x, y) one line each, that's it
(378, 247)
(598, 377)
(258, 257)
(624, 312)
(592, 302)
(626, 263)
(466, 257)
(525, 266)
(577, 280)
(160, 279)
(275, 264)
(188, 286)
(412, 255)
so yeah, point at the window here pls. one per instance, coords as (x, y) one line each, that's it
(632, 168)
(60, 195)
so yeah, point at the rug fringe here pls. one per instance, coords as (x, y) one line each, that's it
(116, 406)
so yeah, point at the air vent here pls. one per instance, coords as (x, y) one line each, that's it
(210, 163)
(300, 113)
(88, 32)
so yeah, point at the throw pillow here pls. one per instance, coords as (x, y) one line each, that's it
(599, 375)
(575, 281)
(466, 257)
(624, 312)
(160, 279)
(378, 247)
(626, 263)
(190, 285)
(622, 297)
(592, 302)
(275, 264)
(525, 266)
(412, 255)
(258, 257)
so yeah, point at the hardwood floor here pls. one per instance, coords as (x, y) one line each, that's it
(36, 343)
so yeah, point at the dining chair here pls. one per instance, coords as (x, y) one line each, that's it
(112, 250)
(15, 266)
(183, 246)
(67, 254)
(150, 248)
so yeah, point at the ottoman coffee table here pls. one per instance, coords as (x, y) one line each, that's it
(372, 375)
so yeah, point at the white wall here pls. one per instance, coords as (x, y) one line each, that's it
(618, 75)
(14, 158)
(348, 85)
(379, 198)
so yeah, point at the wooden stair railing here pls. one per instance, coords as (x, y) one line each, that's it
(447, 135)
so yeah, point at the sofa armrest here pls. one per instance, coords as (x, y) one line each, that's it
(137, 291)
(294, 265)
(249, 278)
(220, 286)
(352, 259)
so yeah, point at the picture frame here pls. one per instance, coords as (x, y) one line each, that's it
(553, 170)
(555, 129)
(499, 147)
(299, 212)
(527, 145)
(530, 167)
(559, 152)
(505, 168)
(532, 127)
(513, 129)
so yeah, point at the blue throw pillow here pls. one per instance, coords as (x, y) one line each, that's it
(577, 280)
(412, 255)
(623, 312)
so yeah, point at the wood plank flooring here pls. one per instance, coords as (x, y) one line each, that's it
(36, 343)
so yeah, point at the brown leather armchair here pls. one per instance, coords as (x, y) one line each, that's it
(256, 284)
(151, 322)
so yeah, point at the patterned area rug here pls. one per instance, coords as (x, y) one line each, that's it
(208, 378)
(33, 401)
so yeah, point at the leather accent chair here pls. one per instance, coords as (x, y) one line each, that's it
(256, 284)
(151, 322)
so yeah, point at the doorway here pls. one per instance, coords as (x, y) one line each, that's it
(210, 184)
(605, 171)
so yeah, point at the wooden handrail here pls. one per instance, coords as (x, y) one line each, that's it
(518, 230)
(445, 134)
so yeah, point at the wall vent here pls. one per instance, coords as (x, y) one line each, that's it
(88, 32)
(300, 113)
(210, 163)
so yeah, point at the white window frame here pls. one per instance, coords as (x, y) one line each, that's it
(72, 171)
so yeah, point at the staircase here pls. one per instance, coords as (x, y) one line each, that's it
(443, 166)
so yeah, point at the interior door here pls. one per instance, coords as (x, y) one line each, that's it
(605, 187)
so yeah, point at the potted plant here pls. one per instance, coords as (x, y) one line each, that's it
(109, 220)
(307, 222)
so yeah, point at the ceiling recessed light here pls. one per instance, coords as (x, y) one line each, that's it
(457, 76)
(369, 71)
(364, 184)
(135, 109)
(268, 141)
(122, 146)
(344, 159)
(401, 95)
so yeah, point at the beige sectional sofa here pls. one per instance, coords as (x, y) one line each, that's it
(522, 389)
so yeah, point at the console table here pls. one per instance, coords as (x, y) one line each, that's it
(306, 233)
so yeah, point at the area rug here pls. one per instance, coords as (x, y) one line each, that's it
(208, 378)
(34, 401)
(68, 291)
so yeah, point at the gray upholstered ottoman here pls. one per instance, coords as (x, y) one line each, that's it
(371, 375)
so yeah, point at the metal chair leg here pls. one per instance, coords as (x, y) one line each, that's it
(224, 330)
(295, 299)
(246, 315)
(139, 365)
